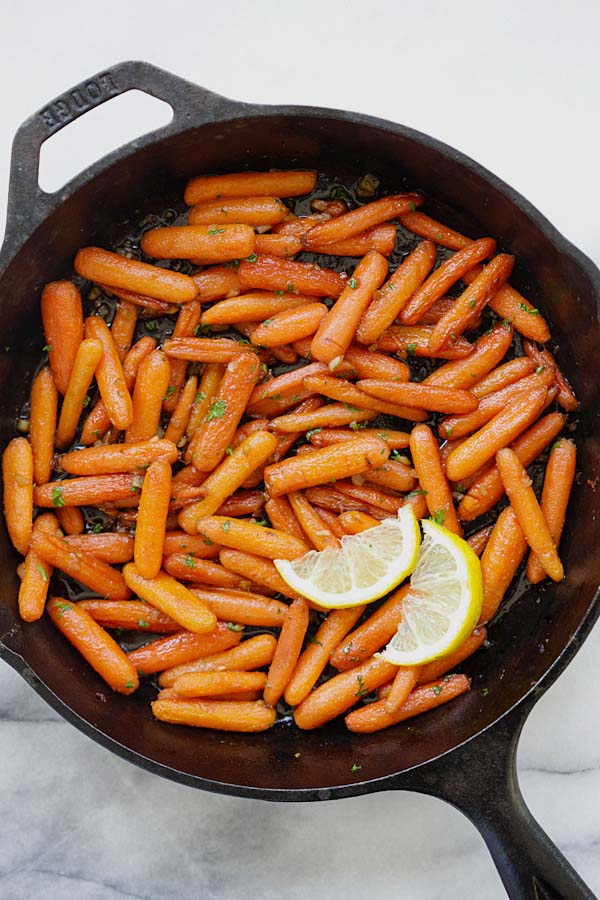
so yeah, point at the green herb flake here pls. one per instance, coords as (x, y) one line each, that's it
(97, 528)
(439, 516)
(46, 348)
(207, 541)
(472, 304)
(200, 396)
(62, 608)
(150, 325)
(355, 768)
(234, 627)
(129, 685)
(418, 492)
(539, 370)
(362, 690)
(506, 324)
(485, 692)
(228, 450)
(262, 522)
(412, 206)
(313, 640)
(290, 287)
(57, 498)
(351, 408)
(279, 293)
(189, 561)
(143, 624)
(252, 258)
(459, 488)
(356, 426)
(353, 283)
(437, 690)
(225, 526)
(411, 349)
(170, 390)
(267, 321)
(448, 429)
(213, 231)
(42, 572)
(217, 410)
(86, 400)
(312, 431)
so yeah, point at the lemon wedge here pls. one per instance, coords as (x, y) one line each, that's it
(364, 568)
(443, 604)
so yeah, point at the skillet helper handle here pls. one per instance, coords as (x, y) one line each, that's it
(480, 780)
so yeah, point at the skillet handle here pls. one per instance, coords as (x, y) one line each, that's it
(480, 780)
(192, 105)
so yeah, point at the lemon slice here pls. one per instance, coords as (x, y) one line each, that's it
(443, 604)
(364, 568)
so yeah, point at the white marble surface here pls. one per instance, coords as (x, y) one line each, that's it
(516, 86)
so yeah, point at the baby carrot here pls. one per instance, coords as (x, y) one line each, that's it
(337, 695)
(83, 567)
(479, 539)
(132, 615)
(193, 544)
(245, 535)
(172, 598)
(326, 496)
(558, 480)
(357, 220)
(508, 424)
(247, 210)
(271, 273)
(369, 364)
(290, 183)
(315, 657)
(444, 278)
(287, 651)
(321, 417)
(110, 547)
(336, 331)
(95, 645)
(432, 230)
(316, 530)
(123, 326)
(88, 356)
(503, 376)
(354, 398)
(255, 306)
(70, 519)
(217, 282)
(148, 394)
(216, 684)
(36, 574)
(354, 521)
(17, 478)
(500, 560)
(109, 375)
(210, 380)
(88, 491)
(253, 653)
(381, 238)
(117, 458)
(375, 716)
(289, 325)
(187, 321)
(531, 519)
(180, 416)
(62, 318)
(487, 488)
(256, 569)
(221, 715)
(438, 496)
(242, 503)
(509, 304)
(183, 647)
(104, 267)
(371, 636)
(209, 243)
(434, 670)
(210, 442)
(282, 517)
(141, 300)
(396, 440)
(488, 351)
(437, 399)
(42, 424)
(393, 296)
(186, 567)
(152, 519)
(282, 392)
(284, 245)
(242, 607)
(321, 466)
(393, 475)
(566, 398)
(404, 681)
(413, 340)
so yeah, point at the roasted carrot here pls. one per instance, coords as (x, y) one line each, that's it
(123, 326)
(252, 307)
(87, 359)
(565, 397)
(381, 238)
(242, 607)
(426, 460)
(183, 647)
(172, 598)
(185, 326)
(372, 635)
(250, 654)
(324, 437)
(291, 183)
(282, 392)
(109, 375)
(354, 521)
(404, 681)
(17, 478)
(413, 340)
(152, 519)
(393, 475)
(150, 388)
(432, 230)
(216, 684)
(206, 243)
(500, 560)
(42, 424)
(70, 519)
(283, 517)
(111, 460)
(36, 575)
(479, 539)
(104, 267)
(376, 716)
(251, 538)
(186, 567)
(221, 715)
(434, 670)
(132, 615)
(372, 496)
(271, 273)
(324, 416)
(316, 530)
(110, 547)
(247, 210)
(328, 497)
(558, 480)
(62, 318)
(180, 416)
(289, 325)
(243, 503)
(431, 397)
(194, 544)
(503, 376)
(91, 491)
(212, 375)
(160, 307)
(256, 569)
(370, 364)
(358, 220)
(82, 566)
(283, 245)
(287, 651)
(488, 350)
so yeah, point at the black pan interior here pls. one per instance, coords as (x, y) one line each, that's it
(524, 641)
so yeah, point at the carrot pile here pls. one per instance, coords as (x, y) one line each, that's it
(200, 461)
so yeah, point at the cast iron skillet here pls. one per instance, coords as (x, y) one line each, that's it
(463, 753)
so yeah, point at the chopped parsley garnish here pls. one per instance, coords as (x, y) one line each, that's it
(411, 349)
(46, 348)
(290, 287)
(437, 690)
(170, 390)
(539, 370)
(353, 283)
(143, 624)
(225, 526)
(262, 522)
(252, 258)
(42, 571)
(212, 231)
(97, 528)
(439, 516)
(362, 690)
(412, 206)
(200, 396)
(189, 561)
(150, 325)
(472, 304)
(312, 431)
(228, 450)
(62, 608)
(86, 400)
(485, 692)
(129, 685)
(356, 426)
(217, 410)
(233, 627)
(57, 498)
(313, 640)
(419, 491)
(355, 768)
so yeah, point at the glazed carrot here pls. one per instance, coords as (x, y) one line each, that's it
(148, 394)
(558, 480)
(252, 307)
(210, 442)
(375, 716)
(98, 421)
(381, 238)
(181, 414)
(566, 397)
(338, 328)
(417, 502)
(280, 393)
(372, 635)
(283, 245)
(183, 647)
(289, 325)
(472, 301)
(426, 227)
(504, 375)
(70, 519)
(217, 282)
(413, 340)
(246, 210)
(221, 715)
(487, 488)
(508, 424)
(394, 295)
(152, 519)
(207, 389)
(358, 220)
(257, 569)
(88, 491)
(444, 277)
(17, 478)
(500, 560)
(282, 517)
(326, 496)
(354, 521)
(434, 670)
(287, 651)
(117, 458)
(443, 306)
(404, 681)
(242, 607)
(396, 440)
(488, 350)
(109, 375)
(42, 424)
(123, 326)
(36, 576)
(252, 538)
(208, 243)
(104, 267)
(371, 495)
(62, 318)
(185, 326)
(160, 307)
(81, 566)
(321, 466)
(172, 598)
(331, 520)
(215, 684)
(194, 544)
(96, 646)
(426, 460)
(242, 503)
(337, 695)
(237, 696)
(322, 417)
(290, 183)
(437, 399)
(88, 356)
(110, 548)
(271, 273)
(316, 530)
(509, 304)
(369, 364)
(479, 539)
(132, 615)
(186, 567)
(250, 654)
(393, 475)
(354, 398)
(517, 485)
